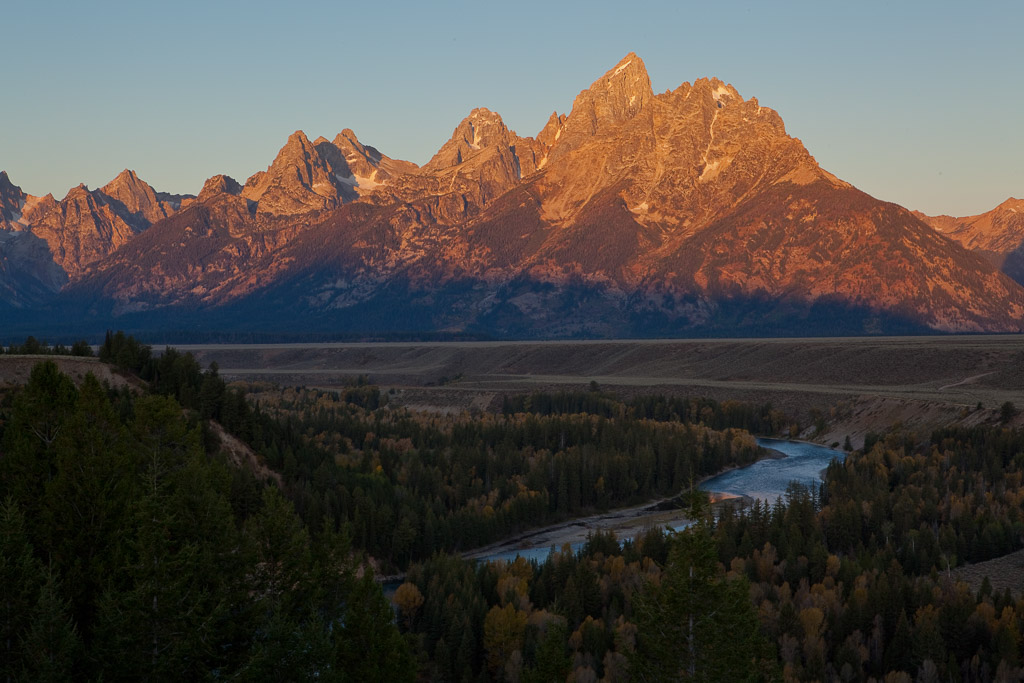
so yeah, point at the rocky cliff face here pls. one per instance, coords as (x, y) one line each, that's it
(321, 175)
(88, 224)
(611, 101)
(53, 241)
(687, 212)
(12, 199)
(137, 201)
(82, 228)
(302, 178)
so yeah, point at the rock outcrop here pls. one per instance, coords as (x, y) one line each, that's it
(301, 179)
(12, 200)
(136, 201)
(218, 185)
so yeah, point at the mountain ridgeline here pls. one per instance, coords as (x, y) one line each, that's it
(686, 213)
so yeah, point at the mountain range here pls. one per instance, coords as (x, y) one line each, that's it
(690, 212)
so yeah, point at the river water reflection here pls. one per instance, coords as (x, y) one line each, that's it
(767, 479)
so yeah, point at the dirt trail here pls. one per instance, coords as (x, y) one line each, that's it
(967, 380)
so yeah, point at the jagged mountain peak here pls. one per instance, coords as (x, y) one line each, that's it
(719, 92)
(79, 191)
(136, 200)
(218, 185)
(614, 98)
(484, 114)
(347, 140)
(623, 82)
(369, 168)
(320, 175)
(482, 129)
(679, 161)
(303, 177)
(12, 199)
(349, 145)
(127, 181)
(298, 138)
(551, 131)
(127, 175)
(296, 147)
(630, 71)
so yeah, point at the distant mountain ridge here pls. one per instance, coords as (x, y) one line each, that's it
(998, 235)
(686, 213)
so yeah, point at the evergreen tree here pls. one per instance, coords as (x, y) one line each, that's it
(37, 418)
(20, 582)
(552, 660)
(696, 625)
(50, 649)
(88, 497)
(370, 646)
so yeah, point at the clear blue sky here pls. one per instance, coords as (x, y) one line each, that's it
(921, 103)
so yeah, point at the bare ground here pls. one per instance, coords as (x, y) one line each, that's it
(242, 456)
(1002, 572)
(15, 370)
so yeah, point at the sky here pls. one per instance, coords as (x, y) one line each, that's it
(919, 103)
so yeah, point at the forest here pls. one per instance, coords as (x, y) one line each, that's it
(133, 547)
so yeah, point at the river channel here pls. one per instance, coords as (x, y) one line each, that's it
(766, 479)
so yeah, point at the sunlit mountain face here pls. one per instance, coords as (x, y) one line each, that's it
(685, 213)
(998, 235)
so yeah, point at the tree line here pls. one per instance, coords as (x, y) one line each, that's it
(411, 484)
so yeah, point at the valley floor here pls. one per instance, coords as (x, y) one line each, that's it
(860, 384)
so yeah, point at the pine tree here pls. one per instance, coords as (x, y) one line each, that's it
(20, 581)
(163, 616)
(87, 499)
(370, 647)
(697, 625)
(37, 418)
(50, 648)
(552, 660)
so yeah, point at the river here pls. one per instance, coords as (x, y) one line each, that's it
(766, 479)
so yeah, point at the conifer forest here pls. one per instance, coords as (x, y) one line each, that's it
(173, 526)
